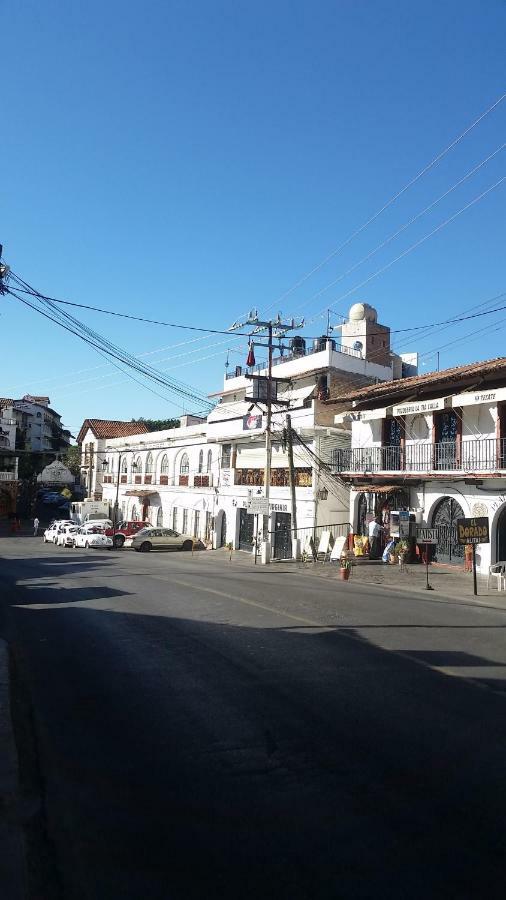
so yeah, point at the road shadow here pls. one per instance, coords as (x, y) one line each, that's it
(186, 757)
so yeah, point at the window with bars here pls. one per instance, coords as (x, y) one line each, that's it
(226, 456)
(184, 527)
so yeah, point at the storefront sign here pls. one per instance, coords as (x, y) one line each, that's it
(419, 406)
(251, 422)
(368, 415)
(474, 397)
(426, 535)
(226, 477)
(473, 531)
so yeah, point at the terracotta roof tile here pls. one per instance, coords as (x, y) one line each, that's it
(111, 428)
(431, 381)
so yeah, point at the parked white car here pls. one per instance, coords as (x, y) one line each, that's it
(98, 524)
(51, 533)
(86, 537)
(65, 536)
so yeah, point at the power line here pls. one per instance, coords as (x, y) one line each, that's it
(389, 203)
(402, 228)
(421, 240)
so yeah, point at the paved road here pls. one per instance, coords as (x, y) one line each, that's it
(206, 730)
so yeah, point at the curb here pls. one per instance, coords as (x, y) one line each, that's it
(13, 856)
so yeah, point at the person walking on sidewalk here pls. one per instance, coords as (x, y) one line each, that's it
(35, 526)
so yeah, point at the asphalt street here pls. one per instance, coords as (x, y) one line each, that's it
(206, 729)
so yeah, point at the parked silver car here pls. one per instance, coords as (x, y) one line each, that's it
(161, 539)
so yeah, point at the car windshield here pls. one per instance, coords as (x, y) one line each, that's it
(144, 531)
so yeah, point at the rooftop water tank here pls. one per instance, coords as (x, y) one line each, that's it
(297, 346)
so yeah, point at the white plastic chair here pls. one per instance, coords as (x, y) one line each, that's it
(498, 571)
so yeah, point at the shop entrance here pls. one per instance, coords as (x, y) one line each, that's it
(283, 536)
(246, 529)
(501, 537)
(444, 518)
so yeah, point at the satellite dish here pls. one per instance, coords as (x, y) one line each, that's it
(358, 345)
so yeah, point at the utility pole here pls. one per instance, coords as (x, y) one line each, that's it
(278, 329)
(268, 443)
(291, 481)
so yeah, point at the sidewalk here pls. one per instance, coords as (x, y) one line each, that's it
(448, 582)
(12, 853)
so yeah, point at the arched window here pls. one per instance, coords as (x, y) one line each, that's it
(209, 460)
(164, 468)
(135, 514)
(124, 466)
(138, 465)
(201, 461)
(159, 518)
(184, 465)
(149, 464)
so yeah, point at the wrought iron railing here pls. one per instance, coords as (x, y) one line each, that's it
(278, 360)
(476, 455)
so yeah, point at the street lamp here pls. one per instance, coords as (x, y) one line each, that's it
(105, 466)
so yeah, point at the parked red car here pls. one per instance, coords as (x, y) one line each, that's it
(124, 530)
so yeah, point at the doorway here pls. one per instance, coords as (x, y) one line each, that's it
(500, 537)
(246, 530)
(283, 536)
(444, 518)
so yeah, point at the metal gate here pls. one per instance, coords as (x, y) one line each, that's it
(444, 518)
(246, 529)
(282, 536)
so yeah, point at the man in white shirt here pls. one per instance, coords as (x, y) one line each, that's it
(375, 534)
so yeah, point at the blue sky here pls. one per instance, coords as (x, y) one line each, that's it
(188, 160)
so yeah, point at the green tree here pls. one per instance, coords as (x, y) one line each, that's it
(159, 424)
(72, 459)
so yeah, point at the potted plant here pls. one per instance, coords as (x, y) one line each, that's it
(345, 567)
(401, 549)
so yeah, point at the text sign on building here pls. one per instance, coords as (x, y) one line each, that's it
(258, 506)
(369, 415)
(473, 531)
(476, 397)
(422, 406)
(250, 423)
(426, 535)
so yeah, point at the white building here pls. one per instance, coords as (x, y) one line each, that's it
(197, 478)
(35, 426)
(435, 444)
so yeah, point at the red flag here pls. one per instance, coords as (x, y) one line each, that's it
(251, 356)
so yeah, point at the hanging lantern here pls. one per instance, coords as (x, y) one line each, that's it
(251, 355)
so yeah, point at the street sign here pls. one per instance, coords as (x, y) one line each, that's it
(426, 535)
(258, 506)
(473, 531)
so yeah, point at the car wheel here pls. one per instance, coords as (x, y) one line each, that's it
(118, 541)
(187, 545)
(145, 547)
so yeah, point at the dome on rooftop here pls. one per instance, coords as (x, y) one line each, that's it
(361, 311)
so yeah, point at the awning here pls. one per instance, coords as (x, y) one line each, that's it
(140, 493)
(473, 398)
(297, 394)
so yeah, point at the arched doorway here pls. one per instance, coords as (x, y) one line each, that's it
(444, 518)
(500, 536)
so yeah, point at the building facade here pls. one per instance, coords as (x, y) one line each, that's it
(197, 478)
(34, 426)
(434, 444)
